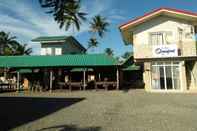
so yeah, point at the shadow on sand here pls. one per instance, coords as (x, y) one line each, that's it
(16, 111)
(70, 128)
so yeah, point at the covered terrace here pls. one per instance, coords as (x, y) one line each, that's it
(76, 70)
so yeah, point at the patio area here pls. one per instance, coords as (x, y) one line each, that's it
(133, 110)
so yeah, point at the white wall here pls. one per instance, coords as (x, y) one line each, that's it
(163, 24)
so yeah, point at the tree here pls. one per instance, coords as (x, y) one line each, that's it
(126, 55)
(6, 42)
(92, 43)
(99, 25)
(109, 51)
(9, 46)
(20, 49)
(66, 13)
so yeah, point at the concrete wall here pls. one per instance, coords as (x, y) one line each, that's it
(191, 73)
(66, 48)
(170, 27)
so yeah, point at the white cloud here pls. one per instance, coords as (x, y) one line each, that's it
(23, 19)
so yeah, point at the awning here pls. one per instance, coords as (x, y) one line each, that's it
(81, 69)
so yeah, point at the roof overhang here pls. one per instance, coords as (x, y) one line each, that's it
(174, 13)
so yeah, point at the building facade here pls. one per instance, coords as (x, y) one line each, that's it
(165, 42)
(59, 45)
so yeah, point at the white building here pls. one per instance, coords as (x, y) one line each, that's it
(164, 41)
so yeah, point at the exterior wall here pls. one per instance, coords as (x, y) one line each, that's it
(170, 27)
(147, 76)
(191, 73)
(183, 80)
(66, 48)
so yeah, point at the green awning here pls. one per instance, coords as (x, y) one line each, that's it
(81, 69)
(24, 71)
(75, 60)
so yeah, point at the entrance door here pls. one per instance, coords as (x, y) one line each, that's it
(165, 76)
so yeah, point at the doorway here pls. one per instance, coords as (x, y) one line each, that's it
(165, 76)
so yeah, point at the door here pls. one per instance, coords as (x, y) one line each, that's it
(165, 76)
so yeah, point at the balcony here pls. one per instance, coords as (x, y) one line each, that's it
(176, 50)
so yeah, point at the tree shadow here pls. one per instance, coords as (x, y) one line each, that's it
(70, 128)
(16, 111)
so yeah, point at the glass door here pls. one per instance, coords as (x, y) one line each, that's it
(165, 76)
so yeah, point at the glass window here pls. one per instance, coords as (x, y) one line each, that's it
(165, 75)
(58, 51)
(157, 38)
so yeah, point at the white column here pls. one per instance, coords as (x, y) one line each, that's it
(84, 79)
(51, 80)
(18, 79)
(117, 79)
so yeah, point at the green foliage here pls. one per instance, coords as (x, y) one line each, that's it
(99, 25)
(9, 46)
(92, 43)
(126, 55)
(109, 51)
(66, 13)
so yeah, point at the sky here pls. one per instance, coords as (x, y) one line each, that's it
(26, 20)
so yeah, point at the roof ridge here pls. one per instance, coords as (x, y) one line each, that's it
(157, 10)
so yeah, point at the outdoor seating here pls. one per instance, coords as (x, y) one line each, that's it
(105, 84)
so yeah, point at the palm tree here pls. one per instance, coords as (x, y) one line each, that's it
(109, 51)
(99, 25)
(66, 12)
(20, 49)
(126, 55)
(92, 43)
(6, 42)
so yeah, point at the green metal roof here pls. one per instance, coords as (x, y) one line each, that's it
(50, 38)
(131, 68)
(75, 60)
(129, 65)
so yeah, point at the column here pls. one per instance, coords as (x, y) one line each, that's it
(117, 79)
(84, 79)
(18, 83)
(51, 80)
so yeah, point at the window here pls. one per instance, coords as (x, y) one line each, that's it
(58, 51)
(43, 51)
(157, 38)
(165, 76)
(48, 51)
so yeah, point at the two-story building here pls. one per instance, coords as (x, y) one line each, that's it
(59, 45)
(164, 40)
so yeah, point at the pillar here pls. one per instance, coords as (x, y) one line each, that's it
(117, 79)
(51, 80)
(18, 83)
(84, 79)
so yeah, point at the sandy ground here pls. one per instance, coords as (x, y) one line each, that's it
(134, 110)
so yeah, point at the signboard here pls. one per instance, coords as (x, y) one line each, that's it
(165, 50)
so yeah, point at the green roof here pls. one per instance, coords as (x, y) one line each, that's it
(50, 38)
(129, 65)
(131, 68)
(75, 60)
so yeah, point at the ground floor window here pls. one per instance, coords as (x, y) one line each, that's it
(165, 75)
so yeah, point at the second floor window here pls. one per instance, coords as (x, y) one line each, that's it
(157, 38)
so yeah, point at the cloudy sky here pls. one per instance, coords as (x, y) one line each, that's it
(27, 20)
